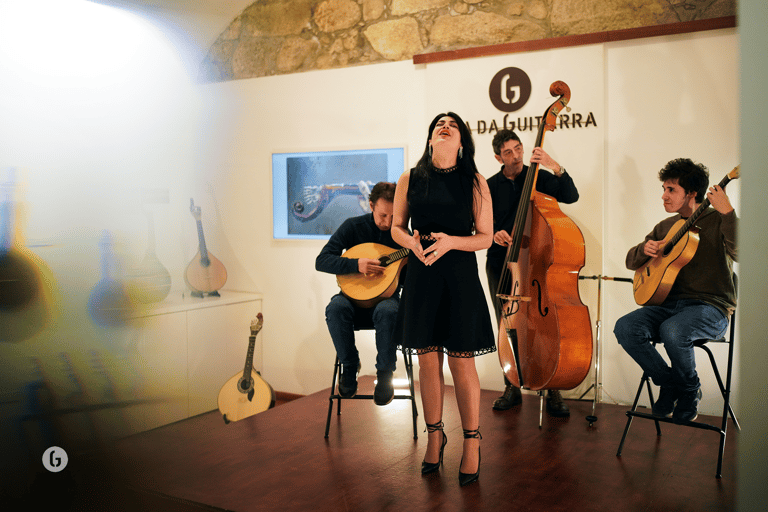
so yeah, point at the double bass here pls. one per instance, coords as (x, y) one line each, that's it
(545, 335)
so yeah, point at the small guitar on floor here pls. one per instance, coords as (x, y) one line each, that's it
(205, 274)
(246, 393)
(367, 291)
(654, 280)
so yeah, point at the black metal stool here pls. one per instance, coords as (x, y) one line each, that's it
(363, 323)
(725, 390)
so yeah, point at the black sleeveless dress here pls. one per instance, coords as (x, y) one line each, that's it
(443, 307)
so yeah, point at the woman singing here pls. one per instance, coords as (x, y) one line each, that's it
(443, 309)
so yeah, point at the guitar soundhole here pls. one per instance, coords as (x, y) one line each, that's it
(243, 385)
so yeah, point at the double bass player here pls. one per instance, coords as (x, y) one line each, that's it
(506, 188)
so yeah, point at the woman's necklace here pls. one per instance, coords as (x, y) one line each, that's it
(445, 171)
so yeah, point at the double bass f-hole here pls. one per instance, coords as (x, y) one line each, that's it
(536, 283)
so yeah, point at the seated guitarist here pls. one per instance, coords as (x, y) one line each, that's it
(339, 314)
(701, 298)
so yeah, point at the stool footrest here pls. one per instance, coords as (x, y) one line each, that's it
(695, 424)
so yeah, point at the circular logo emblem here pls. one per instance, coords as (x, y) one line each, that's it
(510, 89)
(55, 459)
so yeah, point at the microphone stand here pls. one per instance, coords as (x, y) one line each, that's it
(598, 385)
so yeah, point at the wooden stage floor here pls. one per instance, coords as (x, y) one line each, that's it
(279, 461)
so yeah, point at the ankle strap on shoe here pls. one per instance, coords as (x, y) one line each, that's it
(434, 427)
(472, 434)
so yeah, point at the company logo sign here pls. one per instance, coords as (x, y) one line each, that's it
(510, 89)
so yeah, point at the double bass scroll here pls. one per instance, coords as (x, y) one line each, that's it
(545, 335)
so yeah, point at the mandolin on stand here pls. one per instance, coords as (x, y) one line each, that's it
(205, 274)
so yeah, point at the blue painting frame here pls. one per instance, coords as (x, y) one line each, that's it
(314, 192)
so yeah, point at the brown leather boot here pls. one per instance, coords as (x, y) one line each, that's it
(555, 404)
(509, 399)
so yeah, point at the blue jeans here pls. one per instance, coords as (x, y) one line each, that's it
(676, 324)
(340, 316)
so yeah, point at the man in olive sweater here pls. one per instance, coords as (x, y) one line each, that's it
(701, 299)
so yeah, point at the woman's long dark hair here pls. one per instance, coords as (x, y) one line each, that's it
(465, 165)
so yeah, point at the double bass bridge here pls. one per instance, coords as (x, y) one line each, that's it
(507, 299)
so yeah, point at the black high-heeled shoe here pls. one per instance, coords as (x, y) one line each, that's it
(430, 467)
(468, 478)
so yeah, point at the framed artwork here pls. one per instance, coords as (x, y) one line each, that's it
(313, 192)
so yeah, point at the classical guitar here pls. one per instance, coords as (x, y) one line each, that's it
(654, 280)
(367, 291)
(246, 393)
(205, 274)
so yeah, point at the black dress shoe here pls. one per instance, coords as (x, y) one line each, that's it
(384, 391)
(431, 467)
(511, 397)
(665, 403)
(468, 478)
(687, 408)
(348, 381)
(555, 405)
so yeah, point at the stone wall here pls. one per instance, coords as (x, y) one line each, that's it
(273, 37)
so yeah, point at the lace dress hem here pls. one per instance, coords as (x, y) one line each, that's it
(449, 353)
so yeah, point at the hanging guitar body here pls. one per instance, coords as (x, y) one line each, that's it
(545, 335)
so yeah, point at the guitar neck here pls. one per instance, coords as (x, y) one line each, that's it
(249, 358)
(203, 250)
(693, 218)
(397, 255)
